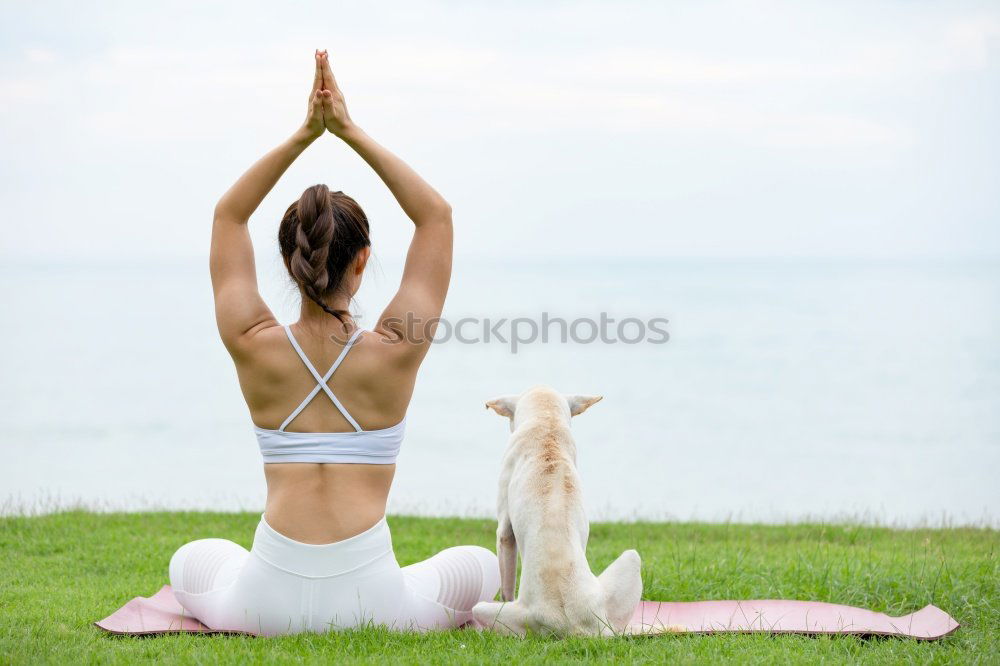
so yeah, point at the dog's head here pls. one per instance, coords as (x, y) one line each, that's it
(541, 401)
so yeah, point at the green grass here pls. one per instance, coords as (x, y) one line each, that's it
(59, 573)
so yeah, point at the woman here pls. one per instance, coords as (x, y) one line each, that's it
(322, 554)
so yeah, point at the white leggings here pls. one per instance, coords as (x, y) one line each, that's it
(283, 586)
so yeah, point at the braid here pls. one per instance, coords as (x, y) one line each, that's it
(313, 245)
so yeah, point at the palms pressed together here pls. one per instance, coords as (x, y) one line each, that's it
(327, 108)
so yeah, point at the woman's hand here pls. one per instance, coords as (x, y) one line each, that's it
(313, 126)
(335, 115)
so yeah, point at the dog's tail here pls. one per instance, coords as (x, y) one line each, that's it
(621, 585)
(506, 617)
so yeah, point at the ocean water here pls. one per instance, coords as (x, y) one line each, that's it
(788, 390)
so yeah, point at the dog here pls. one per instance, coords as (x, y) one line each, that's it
(540, 515)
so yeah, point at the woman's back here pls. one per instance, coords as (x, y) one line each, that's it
(328, 405)
(323, 502)
(372, 382)
(316, 494)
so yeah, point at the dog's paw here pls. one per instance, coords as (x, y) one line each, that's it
(641, 629)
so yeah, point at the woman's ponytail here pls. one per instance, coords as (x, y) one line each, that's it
(320, 236)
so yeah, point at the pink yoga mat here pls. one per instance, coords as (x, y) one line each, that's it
(161, 614)
(775, 616)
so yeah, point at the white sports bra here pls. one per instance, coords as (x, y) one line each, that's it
(373, 447)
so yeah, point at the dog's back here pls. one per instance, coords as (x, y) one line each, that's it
(541, 509)
(542, 482)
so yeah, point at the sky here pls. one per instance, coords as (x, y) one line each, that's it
(748, 129)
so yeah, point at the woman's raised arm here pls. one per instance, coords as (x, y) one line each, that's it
(239, 309)
(424, 286)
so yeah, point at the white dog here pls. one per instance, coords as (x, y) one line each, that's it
(541, 516)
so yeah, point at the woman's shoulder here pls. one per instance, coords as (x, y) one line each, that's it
(395, 347)
(268, 356)
(259, 341)
(374, 352)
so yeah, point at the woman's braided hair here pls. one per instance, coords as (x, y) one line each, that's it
(320, 236)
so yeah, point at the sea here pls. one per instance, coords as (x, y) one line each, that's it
(748, 390)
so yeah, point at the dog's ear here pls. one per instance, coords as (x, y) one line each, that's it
(578, 404)
(504, 405)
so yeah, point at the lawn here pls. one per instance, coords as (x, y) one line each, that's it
(60, 572)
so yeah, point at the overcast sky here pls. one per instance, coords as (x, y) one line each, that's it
(579, 129)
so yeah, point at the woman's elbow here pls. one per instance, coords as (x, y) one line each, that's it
(446, 211)
(220, 212)
(436, 214)
(443, 212)
(225, 213)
